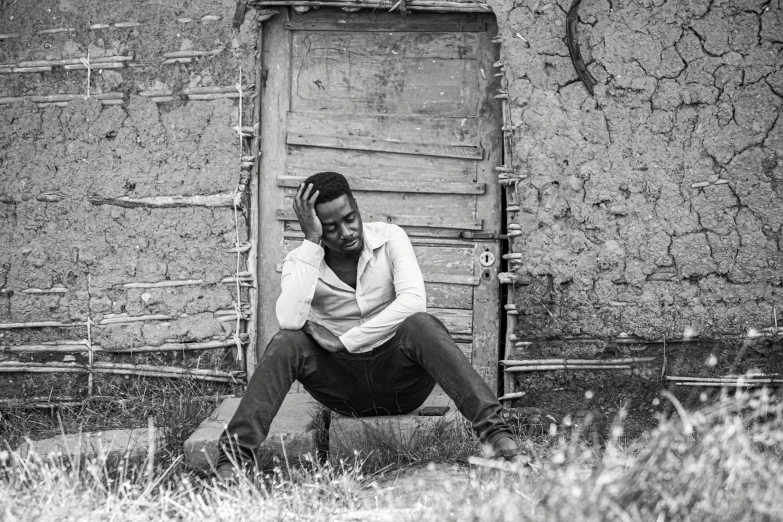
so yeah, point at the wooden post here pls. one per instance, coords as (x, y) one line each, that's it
(251, 353)
(511, 319)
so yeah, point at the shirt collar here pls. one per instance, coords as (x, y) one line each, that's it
(372, 241)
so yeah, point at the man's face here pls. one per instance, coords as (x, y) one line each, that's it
(342, 226)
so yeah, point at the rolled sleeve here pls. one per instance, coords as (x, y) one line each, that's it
(300, 277)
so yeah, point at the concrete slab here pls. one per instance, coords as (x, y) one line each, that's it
(291, 436)
(350, 437)
(111, 445)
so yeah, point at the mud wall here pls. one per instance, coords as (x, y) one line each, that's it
(119, 207)
(652, 209)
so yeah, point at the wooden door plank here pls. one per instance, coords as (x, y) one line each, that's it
(398, 147)
(429, 278)
(424, 233)
(417, 221)
(303, 161)
(448, 296)
(393, 127)
(379, 49)
(397, 26)
(378, 185)
(335, 14)
(467, 349)
(446, 260)
(415, 240)
(401, 73)
(457, 321)
(453, 265)
(275, 103)
(449, 208)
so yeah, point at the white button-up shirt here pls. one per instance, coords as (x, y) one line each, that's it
(389, 288)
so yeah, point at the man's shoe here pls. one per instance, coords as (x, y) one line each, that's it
(227, 473)
(506, 448)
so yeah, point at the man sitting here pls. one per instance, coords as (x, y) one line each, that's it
(355, 332)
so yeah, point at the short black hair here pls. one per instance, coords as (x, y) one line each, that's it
(331, 185)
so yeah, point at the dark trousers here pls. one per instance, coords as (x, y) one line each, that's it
(394, 378)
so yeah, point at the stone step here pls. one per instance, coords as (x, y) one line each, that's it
(292, 434)
(111, 445)
(352, 437)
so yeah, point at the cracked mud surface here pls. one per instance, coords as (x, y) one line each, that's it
(618, 237)
(687, 93)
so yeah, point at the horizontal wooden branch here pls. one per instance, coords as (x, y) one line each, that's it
(125, 318)
(95, 62)
(38, 324)
(373, 144)
(59, 401)
(575, 362)
(741, 380)
(117, 25)
(512, 278)
(510, 179)
(60, 347)
(702, 184)
(83, 347)
(56, 30)
(156, 93)
(165, 284)
(553, 367)
(193, 53)
(243, 247)
(212, 200)
(738, 384)
(513, 395)
(22, 70)
(182, 347)
(144, 370)
(61, 98)
(53, 290)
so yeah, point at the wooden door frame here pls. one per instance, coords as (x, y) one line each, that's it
(259, 214)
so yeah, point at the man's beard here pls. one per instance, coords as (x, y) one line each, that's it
(356, 254)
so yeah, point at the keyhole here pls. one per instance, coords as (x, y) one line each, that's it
(487, 258)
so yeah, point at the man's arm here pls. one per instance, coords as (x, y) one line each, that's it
(300, 276)
(409, 288)
(300, 271)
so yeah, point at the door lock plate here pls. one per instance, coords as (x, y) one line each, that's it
(487, 259)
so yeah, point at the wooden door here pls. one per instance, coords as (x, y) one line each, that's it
(403, 107)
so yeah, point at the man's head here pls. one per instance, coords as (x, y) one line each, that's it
(338, 212)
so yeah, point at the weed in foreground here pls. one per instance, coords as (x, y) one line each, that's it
(724, 462)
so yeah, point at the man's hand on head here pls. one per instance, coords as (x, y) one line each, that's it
(326, 339)
(304, 206)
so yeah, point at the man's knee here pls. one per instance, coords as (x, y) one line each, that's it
(286, 342)
(421, 321)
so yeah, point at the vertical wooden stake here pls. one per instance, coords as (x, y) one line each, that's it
(90, 376)
(252, 256)
(511, 320)
(150, 448)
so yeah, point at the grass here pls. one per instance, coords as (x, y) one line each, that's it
(176, 406)
(723, 462)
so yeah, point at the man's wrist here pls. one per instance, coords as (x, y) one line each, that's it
(313, 238)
